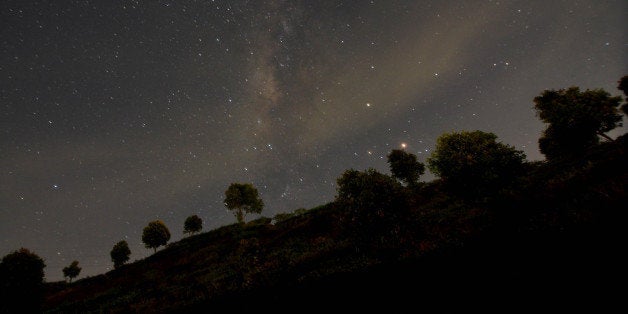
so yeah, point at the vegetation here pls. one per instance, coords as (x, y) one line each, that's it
(576, 120)
(491, 228)
(374, 203)
(192, 224)
(474, 164)
(72, 271)
(242, 199)
(155, 235)
(623, 86)
(405, 167)
(120, 253)
(22, 275)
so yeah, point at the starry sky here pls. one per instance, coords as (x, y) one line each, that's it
(117, 113)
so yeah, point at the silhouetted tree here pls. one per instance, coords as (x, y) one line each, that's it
(243, 198)
(192, 224)
(366, 189)
(405, 167)
(474, 163)
(120, 253)
(155, 235)
(21, 282)
(374, 202)
(623, 86)
(576, 120)
(72, 271)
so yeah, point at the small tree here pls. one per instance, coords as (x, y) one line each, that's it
(21, 284)
(243, 198)
(120, 253)
(405, 167)
(155, 235)
(193, 224)
(72, 271)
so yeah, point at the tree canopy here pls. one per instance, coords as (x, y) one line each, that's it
(242, 199)
(623, 86)
(192, 224)
(120, 253)
(374, 203)
(576, 120)
(72, 270)
(405, 167)
(155, 235)
(21, 287)
(367, 189)
(474, 163)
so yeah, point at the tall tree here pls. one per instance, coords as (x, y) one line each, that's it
(155, 235)
(576, 120)
(21, 286)
(120, 253)
(623, 86)
(474, 163)
(192, 224)
(72, 270)
(242, 199)
(405, 167)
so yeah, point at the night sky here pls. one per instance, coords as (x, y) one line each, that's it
(117, 113)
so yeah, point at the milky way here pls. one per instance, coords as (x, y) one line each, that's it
(118, 113)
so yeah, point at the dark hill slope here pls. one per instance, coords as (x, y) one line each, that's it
(553, 244)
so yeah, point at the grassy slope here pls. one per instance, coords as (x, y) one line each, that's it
(552, 245)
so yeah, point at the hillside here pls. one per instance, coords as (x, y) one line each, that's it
(550, 242)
